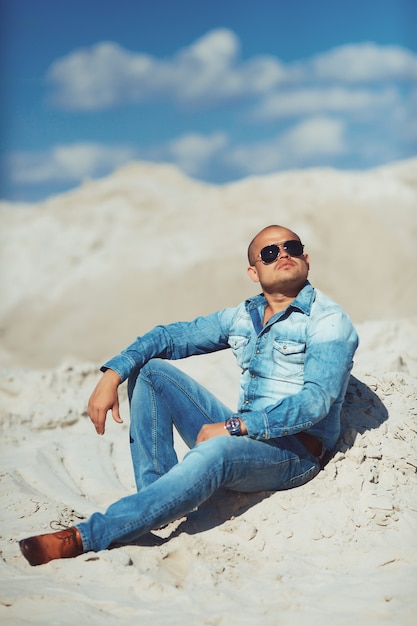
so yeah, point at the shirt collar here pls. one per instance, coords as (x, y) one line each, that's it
(303, 302)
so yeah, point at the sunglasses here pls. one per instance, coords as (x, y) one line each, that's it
(269, 254)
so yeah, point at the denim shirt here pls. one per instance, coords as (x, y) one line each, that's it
(295, 368)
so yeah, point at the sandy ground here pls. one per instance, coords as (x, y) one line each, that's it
(341, 550)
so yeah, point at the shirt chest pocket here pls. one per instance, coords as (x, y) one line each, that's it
(239, 345)
(289, 356)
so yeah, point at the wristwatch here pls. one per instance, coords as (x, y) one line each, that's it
(233, 425)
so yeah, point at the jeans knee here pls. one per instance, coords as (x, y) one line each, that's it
(215, 450)
(154, 366)
(158, 367)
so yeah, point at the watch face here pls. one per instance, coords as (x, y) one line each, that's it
(233, 425)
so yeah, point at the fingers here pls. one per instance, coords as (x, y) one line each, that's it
(97, 416)
(208, 431)
(99, 424)
(115, 413)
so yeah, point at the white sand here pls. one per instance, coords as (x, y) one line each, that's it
(80, 278)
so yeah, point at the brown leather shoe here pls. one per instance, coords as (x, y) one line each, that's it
(64, 544)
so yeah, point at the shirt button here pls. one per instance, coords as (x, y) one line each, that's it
(258, 352)
(263, 436)
(246, 401)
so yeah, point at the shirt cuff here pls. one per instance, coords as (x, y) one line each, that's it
(120, 364)
(257, 424)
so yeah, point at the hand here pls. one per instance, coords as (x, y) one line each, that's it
(217, 430)
(104, 398)
(211, 430)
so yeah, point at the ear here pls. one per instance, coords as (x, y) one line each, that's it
(253, 273)
(307, 260)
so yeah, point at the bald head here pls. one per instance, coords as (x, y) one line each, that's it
(281, 232)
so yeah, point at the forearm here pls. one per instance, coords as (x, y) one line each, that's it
(173, 341)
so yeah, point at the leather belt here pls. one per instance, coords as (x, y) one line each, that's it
(313, 445)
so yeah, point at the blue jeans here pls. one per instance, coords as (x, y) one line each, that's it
(161, 396)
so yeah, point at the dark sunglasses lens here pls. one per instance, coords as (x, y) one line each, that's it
(294, 247)
(269, 254)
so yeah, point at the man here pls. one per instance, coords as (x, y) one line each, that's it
(294, 347)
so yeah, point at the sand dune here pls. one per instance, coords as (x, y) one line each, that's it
(83, 273)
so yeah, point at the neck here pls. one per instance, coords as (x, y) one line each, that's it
(276, 304)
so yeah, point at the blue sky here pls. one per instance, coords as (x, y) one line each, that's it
(222, 89)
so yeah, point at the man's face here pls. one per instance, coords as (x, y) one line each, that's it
(286, 272)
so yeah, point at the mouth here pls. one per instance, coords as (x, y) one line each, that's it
(286, 264)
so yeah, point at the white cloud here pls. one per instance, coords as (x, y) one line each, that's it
(99, 77)
(68, 163)
(317, 100)
(364, 62)
(194, 152)
(209, 70)
(315, 137)
(312, 138)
